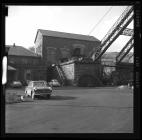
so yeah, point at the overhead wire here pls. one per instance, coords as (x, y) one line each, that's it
(100, 20)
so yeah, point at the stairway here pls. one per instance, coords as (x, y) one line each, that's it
(61, 74)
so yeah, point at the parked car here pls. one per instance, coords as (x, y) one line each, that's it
(130, 83)
(24, 83)
(38, 88)
(54, 83)
(16, 84)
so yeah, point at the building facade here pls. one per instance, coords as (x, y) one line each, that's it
(55, 47)
(24, 65)
(51, 47)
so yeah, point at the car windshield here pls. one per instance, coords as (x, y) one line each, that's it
(39, 84)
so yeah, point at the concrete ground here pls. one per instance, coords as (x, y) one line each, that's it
(74, 110)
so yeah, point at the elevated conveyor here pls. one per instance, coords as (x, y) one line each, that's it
(117, 29)
(125, 50)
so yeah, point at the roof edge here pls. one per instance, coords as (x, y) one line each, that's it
(68, 33)
(36, 35)
(34, 54)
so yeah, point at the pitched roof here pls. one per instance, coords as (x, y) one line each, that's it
(66, 35)
(20, 51)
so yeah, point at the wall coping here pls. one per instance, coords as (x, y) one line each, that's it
(78, 62)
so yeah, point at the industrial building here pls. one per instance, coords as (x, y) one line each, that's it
(23, 65)
(56, 47)
(51, 47)
(75, 59)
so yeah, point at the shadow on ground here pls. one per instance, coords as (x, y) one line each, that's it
(57, 97)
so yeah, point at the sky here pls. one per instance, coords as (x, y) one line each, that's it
(23, 22)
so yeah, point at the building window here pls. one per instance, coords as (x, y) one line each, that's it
(11, 60)
(78, 50)
(28, 74)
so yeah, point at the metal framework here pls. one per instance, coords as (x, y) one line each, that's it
(60, 72)
(131, 56)
(126, 49)
(128, 32)
(116, 30)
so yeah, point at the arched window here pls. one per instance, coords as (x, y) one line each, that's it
(76, 52)
(78, 49)
(27, 74)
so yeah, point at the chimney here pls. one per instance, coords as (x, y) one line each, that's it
(14, 45)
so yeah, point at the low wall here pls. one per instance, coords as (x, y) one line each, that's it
(73, 70)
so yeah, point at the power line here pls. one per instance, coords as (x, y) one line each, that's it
(100, 20)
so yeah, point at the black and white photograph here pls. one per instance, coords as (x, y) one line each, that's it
(70, 69)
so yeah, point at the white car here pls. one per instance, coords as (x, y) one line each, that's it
(16, 84)
(54, 83)
(40, 88)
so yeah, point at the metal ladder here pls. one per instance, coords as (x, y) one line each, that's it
(61, 74)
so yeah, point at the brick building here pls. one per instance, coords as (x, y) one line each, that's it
(55, 47)
(24, 65)
(52, 47)
(61, 48)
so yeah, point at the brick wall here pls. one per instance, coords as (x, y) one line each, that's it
(125, 71)
(23, 64)
(74, 70)
(69, 71)
(64, 43)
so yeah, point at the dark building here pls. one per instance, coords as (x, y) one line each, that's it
(24, 65)
(61, 48)
(52, 47)
(55, 47)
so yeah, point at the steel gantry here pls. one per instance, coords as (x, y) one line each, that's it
(117, 29)
(125, 50)
(131, 56)
(128, 32)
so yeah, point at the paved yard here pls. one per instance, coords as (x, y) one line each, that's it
(74, 110)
